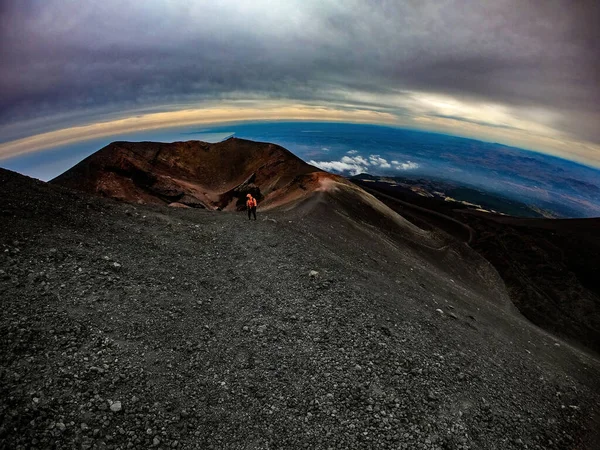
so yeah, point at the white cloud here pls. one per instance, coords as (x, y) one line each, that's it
(339, 166)
(377, 160)
(358, 164)
(352, 152)
(355, 160)
(408, 165)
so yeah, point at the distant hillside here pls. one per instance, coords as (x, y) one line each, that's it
(193, 173)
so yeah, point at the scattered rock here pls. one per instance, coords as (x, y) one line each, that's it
(116, 407)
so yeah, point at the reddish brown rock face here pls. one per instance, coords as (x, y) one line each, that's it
(196, 174)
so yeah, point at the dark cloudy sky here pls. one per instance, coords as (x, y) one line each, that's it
(520, 72)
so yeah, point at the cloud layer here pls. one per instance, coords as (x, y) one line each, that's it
(520, 72)
(356, 164)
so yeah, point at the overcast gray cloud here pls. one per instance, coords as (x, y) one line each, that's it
(535, 62)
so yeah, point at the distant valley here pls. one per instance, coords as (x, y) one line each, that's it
(454, 195)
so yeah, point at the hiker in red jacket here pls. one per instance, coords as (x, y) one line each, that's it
(251, 205)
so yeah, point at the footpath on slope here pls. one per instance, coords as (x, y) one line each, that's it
(138, 327)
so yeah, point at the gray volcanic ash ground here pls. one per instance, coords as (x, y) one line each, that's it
(330, 322)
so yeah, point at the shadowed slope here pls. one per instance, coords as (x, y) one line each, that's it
(549, 266)
(192, 173)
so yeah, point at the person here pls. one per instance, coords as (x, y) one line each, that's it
(251, 206)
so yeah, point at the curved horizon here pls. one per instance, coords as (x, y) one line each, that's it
(580, 152)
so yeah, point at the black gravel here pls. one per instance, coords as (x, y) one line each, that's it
(127, 326)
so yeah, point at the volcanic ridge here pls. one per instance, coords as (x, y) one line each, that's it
(194, 173)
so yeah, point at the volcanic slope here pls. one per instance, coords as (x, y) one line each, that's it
(131, 326)
(193, 173)
(549, 266)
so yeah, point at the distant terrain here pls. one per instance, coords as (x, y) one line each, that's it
(458, 195)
